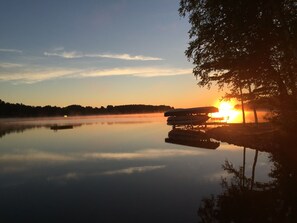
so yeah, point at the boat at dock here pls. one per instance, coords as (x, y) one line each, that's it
(191, 111)
(187, 120)
(189, 117)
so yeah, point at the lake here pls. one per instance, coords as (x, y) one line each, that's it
(113, 169)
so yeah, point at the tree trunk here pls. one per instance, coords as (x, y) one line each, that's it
(242, 106)
(253, 104)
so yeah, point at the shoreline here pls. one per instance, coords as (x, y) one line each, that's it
(75, 117)
(263, 137)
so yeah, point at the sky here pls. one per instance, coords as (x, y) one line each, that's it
(97, 53)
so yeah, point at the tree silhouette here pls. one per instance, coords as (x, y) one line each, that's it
(246, 44)
(20, 110)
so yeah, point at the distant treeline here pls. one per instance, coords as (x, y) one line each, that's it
(21, 110)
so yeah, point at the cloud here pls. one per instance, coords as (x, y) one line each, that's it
(67, 55)
(131, 170)
(10, 65)
(59, 48)
(34, 75)
(37, 75)
(65, 177)
(136, 71)
(127, 57)
(12, 169)
(11, 51)
(74, 54)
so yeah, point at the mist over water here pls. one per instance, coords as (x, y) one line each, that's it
(108, 169)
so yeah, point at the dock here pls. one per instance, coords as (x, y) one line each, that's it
(189, 118)
(187, 125)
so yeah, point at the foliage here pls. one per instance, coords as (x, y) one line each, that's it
(20, 110)
(245, 44)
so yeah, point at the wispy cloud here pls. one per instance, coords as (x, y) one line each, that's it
(66, 177)
(11, 51)
(74, 54)
(136, 71)
(37, 75)
(67, 55)
(42, 74)
(10, 65)
(132, 170)
(59, 48)
(127, 57)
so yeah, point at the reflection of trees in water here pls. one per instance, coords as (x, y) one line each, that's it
(20, 127)
(244, 200)
(6, 129)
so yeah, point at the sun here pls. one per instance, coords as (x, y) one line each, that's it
(227, 112)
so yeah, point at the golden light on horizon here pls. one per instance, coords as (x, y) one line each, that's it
(227, 112)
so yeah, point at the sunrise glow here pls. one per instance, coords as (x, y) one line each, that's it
(227, 112)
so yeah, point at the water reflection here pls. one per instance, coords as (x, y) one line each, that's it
(243, 199)
(33, 156)
(125, 171)
(9, 126)
(189, 137)
(111, 172)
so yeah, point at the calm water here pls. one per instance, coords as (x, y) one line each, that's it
(110, 169)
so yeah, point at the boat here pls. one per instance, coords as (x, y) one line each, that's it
(60, 127)
(191, 111)
(187, 120)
